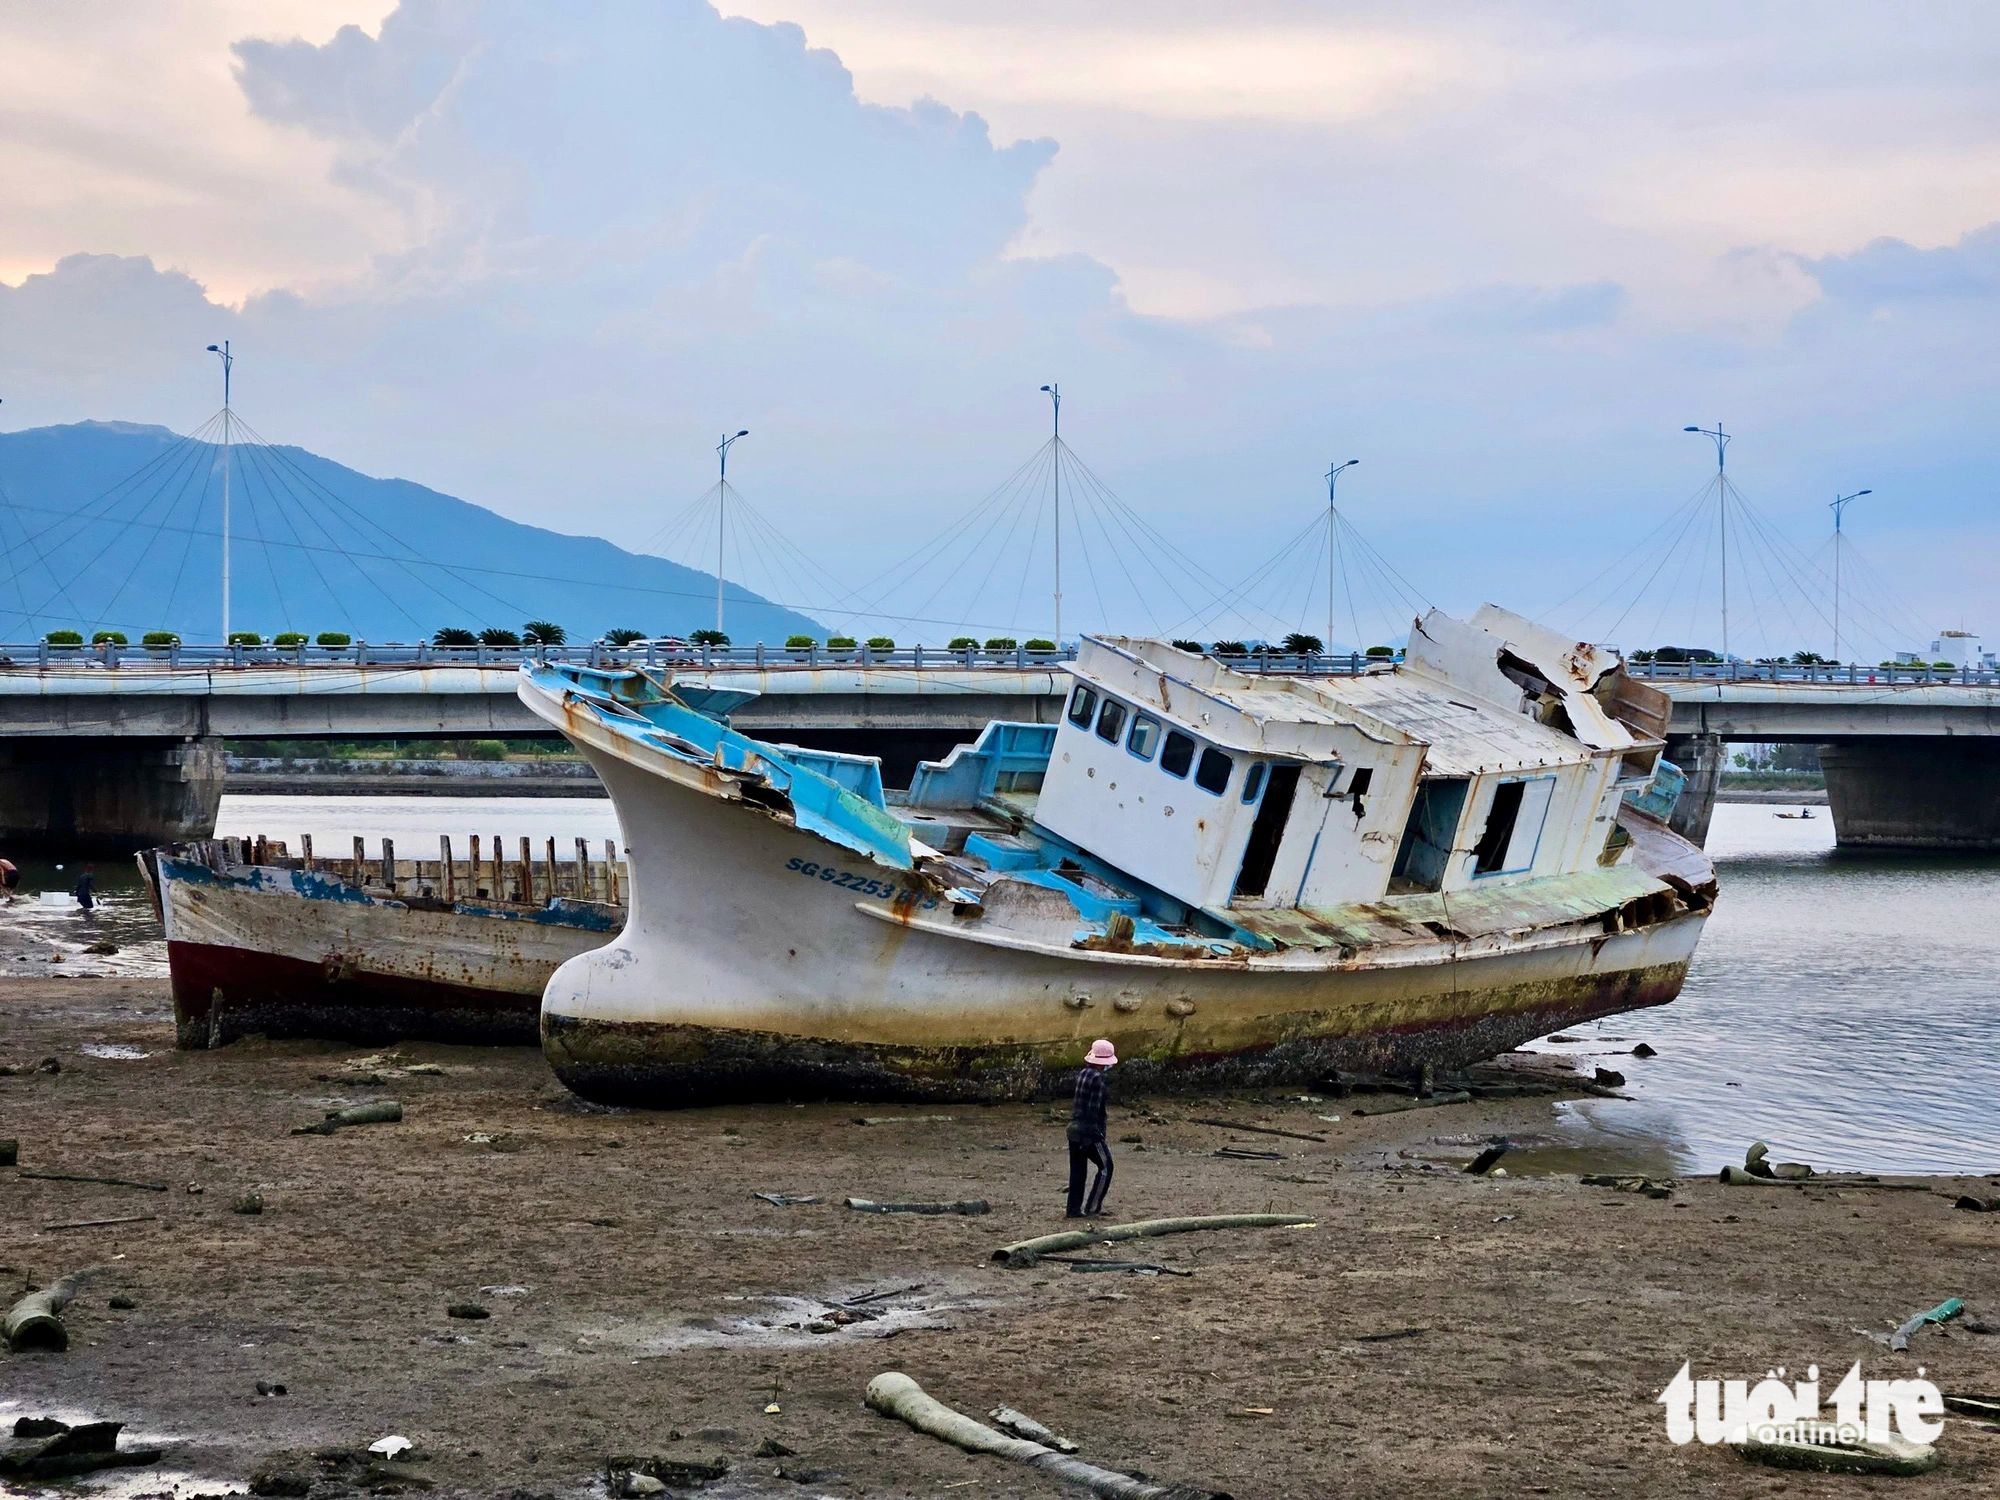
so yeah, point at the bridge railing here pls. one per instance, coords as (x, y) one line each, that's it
(1829, 674)
(194, 655)
(40, 655)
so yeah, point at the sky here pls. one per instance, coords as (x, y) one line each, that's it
(544, 258)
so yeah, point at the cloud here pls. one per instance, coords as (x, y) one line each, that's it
(649, 138)
(622, 228)
(1889, 270)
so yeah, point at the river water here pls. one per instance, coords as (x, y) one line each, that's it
(1840, 1007)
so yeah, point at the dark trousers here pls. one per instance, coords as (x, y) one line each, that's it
(1081, 1155)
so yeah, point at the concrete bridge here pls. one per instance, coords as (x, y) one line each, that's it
(119, 749)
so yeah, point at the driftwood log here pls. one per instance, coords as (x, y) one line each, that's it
(63, 1451)
(963, 1206)
(896, 1395)
(381, 1112)
(1019, 1424)
(1294, 1135)
(1027, 1252)
(35, 1322)
(151, 1187)
(1739, 1177)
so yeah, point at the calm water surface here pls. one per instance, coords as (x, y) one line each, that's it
(1840, 1007)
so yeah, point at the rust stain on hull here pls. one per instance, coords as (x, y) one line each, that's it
(670, 1066)
(221, 994)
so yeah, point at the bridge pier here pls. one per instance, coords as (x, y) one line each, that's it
(107, 795)
(1935, 792)
(1701, 757)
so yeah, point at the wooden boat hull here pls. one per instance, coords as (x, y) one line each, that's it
(266, 949)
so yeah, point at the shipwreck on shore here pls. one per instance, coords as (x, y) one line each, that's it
(1237, 878)
(373, 949)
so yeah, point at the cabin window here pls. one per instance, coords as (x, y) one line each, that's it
(1513, 827)
(1082, 704)
(1429, 836)
(1212, 775)
(1145, 735)
(1178, 754)
(1111, 721)
(1253, 782)
(1360, 783)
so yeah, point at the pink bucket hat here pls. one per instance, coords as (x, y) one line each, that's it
(1102, 1054)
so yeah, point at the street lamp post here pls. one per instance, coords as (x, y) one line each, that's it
(1332, 522)
(1839, 508)
(1721, 441)
(1055, 400)
(221, 352)
(721, 510)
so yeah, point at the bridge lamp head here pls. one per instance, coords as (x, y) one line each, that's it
(744, 433)
(1859, 493)
(215, 348)
(1690, 429)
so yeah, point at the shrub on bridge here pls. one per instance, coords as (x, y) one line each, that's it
(109, 638)
(1039, 644)
(800, 643)
(454, 635)
(333, 638)
(708, 638)
(245, 638)
(623, 635)
(160, 638)
(289, 638)
(1002, 643)
(963, 643)
(1379, 651)
(881, 643)
(840, 643)
(64, 638)
(492, 637)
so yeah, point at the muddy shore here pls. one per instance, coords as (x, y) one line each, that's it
(642, 1300)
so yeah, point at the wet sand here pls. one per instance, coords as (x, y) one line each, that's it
(642, 1301)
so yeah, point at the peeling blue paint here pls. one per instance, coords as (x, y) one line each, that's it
(635, 706)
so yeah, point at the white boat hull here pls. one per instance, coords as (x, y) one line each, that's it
(761, 961)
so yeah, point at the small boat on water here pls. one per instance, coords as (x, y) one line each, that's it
(1236, 877)
(373, 949)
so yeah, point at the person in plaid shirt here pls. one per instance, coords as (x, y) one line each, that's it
(1087, 1145)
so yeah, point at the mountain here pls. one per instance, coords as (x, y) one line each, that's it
(112, 525)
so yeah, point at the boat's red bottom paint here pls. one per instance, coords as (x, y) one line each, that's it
(222, 993)
(665, 1066)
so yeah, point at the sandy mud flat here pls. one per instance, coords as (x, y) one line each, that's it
(641, 1300)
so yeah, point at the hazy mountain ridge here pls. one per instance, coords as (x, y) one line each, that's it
(117, 525)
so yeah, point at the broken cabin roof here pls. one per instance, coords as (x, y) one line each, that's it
(1465, 734)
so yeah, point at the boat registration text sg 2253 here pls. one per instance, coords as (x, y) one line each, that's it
(867, 885)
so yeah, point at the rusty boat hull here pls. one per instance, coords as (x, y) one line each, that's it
(768, 959)
(274, 949)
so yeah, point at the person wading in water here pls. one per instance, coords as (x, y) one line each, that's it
(1086, 1133)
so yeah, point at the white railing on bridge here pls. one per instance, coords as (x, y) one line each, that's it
(40, 655)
